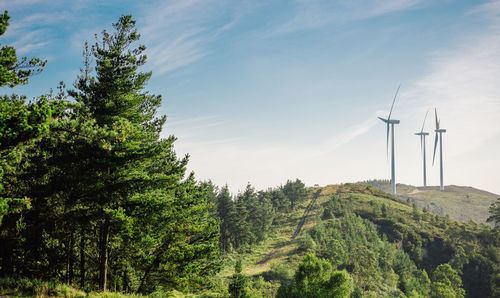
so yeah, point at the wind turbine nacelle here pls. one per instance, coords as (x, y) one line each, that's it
(422, 133)
(391, 121)
(440, 130)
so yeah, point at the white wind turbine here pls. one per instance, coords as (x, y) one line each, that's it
(422, 135)
(390, 122)
(439, 138)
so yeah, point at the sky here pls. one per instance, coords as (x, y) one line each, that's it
(264, 91)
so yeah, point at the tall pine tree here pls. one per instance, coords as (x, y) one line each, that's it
(141, 202)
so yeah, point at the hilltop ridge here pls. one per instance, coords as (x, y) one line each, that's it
(387, 245)
(462, 203)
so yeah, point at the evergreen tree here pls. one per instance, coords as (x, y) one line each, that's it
(295, 191)
(21, 126)
(238, 286)
(140, 198)
(446, 282)
(227, 215)
(15, 70)
(495, 213)
(314, 278)
(104, 182)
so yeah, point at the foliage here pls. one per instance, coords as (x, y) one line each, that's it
(14, 70)
(446, 282)
(38, 288)
(20, 123)
(107, 194)
(247, 219)
(495, 213)
(459, 202)
(314, 278)
(295, 191)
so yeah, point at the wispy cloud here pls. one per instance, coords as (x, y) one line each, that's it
(185, 49)
(32, 33)
(313, 14)
(349, 135)
(10, 4)
(463, 85)
(179, 33)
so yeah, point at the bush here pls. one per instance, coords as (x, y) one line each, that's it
(306, 243)
(280, 272)
(35, 287)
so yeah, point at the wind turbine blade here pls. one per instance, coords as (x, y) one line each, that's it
(421, 145)
(435, 147)
(423, 124)
(387, 146)
(437, 121)
(393, 101)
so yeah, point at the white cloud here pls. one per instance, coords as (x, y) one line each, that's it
(186, 48)
(31, 33)
(179, 33)
(318, 13)
(31, 41)
(463, 86)
(350, 134)
(11, 4)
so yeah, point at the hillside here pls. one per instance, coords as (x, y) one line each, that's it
(386, 245)
(462, 203)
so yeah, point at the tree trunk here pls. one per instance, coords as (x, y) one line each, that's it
(125, 280)
(103, 256)
(82, 258)
(6, 253)
(145, 276)
(71, 257)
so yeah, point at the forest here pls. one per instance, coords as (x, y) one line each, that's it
(93, 200)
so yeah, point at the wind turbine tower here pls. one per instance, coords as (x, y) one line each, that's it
(390, 122)
(439, 138)
(422, 135)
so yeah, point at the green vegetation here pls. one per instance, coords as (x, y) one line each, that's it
(387, 247)
(15, 70)
(93, 200)
(105, 203)
(314, 278)
(458, 202)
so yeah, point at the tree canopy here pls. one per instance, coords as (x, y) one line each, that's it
(105, 191)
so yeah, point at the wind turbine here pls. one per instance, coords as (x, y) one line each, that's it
(439, 137)
(422, 135)
(390, 122)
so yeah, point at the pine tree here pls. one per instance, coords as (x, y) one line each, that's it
(15, 70)
(295, 191)
(137, 197)
(226, 213)
(22, 124)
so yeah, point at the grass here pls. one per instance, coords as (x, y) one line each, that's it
(24, 287)
(461, 203)
(36, 288)
(278, 255)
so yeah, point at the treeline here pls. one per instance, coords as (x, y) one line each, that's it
(407, 251)
(90, 195)
(366, 243)
(249, 217)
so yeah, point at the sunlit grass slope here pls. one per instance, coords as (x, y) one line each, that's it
(462, 203)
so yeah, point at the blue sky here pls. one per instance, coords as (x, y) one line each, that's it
(263, 91)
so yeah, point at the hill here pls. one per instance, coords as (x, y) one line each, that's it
(389, 247)
(462, 203)
(386, 247)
